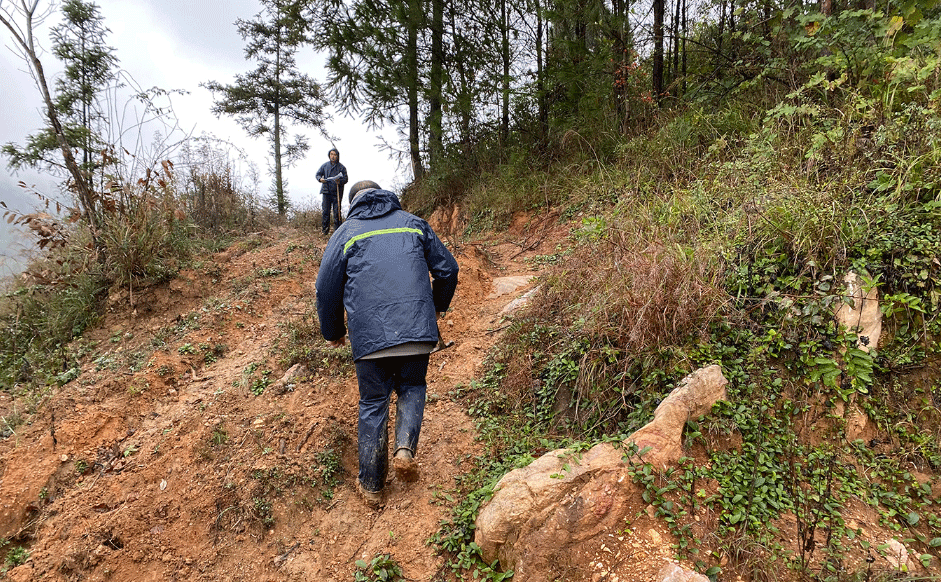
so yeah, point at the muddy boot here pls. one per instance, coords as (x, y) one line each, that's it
(406, 468)
(373, 499)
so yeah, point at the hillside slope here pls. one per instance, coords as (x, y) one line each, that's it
(175, 453)
(184, 449)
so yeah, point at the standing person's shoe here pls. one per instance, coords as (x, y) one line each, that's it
(373, 499)
(406, 468)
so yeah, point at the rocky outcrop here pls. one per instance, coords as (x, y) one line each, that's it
(860, 312)
(505, 285)
(565, 498)
(519, 302)
(674, 573)
(694, 397)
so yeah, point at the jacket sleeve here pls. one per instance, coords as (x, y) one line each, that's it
(319, 173)
(443, 269)
(330, 283)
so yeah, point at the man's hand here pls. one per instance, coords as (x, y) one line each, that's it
(338, 343)
(322, 180)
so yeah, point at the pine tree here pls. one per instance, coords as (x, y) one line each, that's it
(90, 67)
(21, 20)
(374, 66)
(275, 93)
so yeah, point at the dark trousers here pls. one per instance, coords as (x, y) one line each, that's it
(330, 201)
(378, 379)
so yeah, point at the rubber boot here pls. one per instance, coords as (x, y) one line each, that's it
(406, 468)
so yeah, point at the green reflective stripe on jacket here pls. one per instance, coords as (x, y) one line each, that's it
(350, 242)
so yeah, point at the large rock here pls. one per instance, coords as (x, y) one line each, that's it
(860, 312)
(548, 503)
(675, 573)
(562, 499)
(693, 398)
(519, 302)
(505, 285)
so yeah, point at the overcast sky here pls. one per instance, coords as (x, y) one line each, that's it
(176, 45)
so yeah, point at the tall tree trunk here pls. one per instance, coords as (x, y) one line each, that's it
(86, 146)
(463, 105)
(623, 58)
(80, 182)
(721, 34)
(436, 141)
(505, 56)
(685, 34)
(540, 76)
(674, 45)
(657, 74)
(411, 60)
(766, 19)
(278, 170)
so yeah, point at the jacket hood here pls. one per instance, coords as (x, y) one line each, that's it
(373, 203)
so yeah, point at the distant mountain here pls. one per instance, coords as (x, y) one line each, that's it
(15, 241)
(13, 250)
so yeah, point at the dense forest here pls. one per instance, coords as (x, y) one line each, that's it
(723, 164)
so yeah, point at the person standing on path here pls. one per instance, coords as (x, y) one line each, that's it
(332, 174)
(376, 267)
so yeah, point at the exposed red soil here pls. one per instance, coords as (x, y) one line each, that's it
(159, 462)
(171, 455)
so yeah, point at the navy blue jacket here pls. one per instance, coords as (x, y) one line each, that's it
(329, 170)
(376, 266)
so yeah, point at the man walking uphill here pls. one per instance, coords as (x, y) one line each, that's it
(376, 266)
(333, 176)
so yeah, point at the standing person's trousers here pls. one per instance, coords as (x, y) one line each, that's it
(330, 202)
(378, 379)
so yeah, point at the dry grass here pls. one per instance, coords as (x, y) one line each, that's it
(603, 322)
(635, 293)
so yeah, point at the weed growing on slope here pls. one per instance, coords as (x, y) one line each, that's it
(601, 336)
(14, 557)
(254, 378)
(300, 342)
(781, 469)
(38, 321)
(382, 568)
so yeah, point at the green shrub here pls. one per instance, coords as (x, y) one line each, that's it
(382, 568)
(38, 321)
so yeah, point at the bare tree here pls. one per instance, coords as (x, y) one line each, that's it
(21, 19)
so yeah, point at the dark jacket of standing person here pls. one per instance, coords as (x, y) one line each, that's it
(332, 176)
(376, 267)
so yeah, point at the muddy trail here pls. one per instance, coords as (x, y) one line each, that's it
(182, 449)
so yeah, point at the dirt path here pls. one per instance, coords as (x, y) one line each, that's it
(173, 453)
